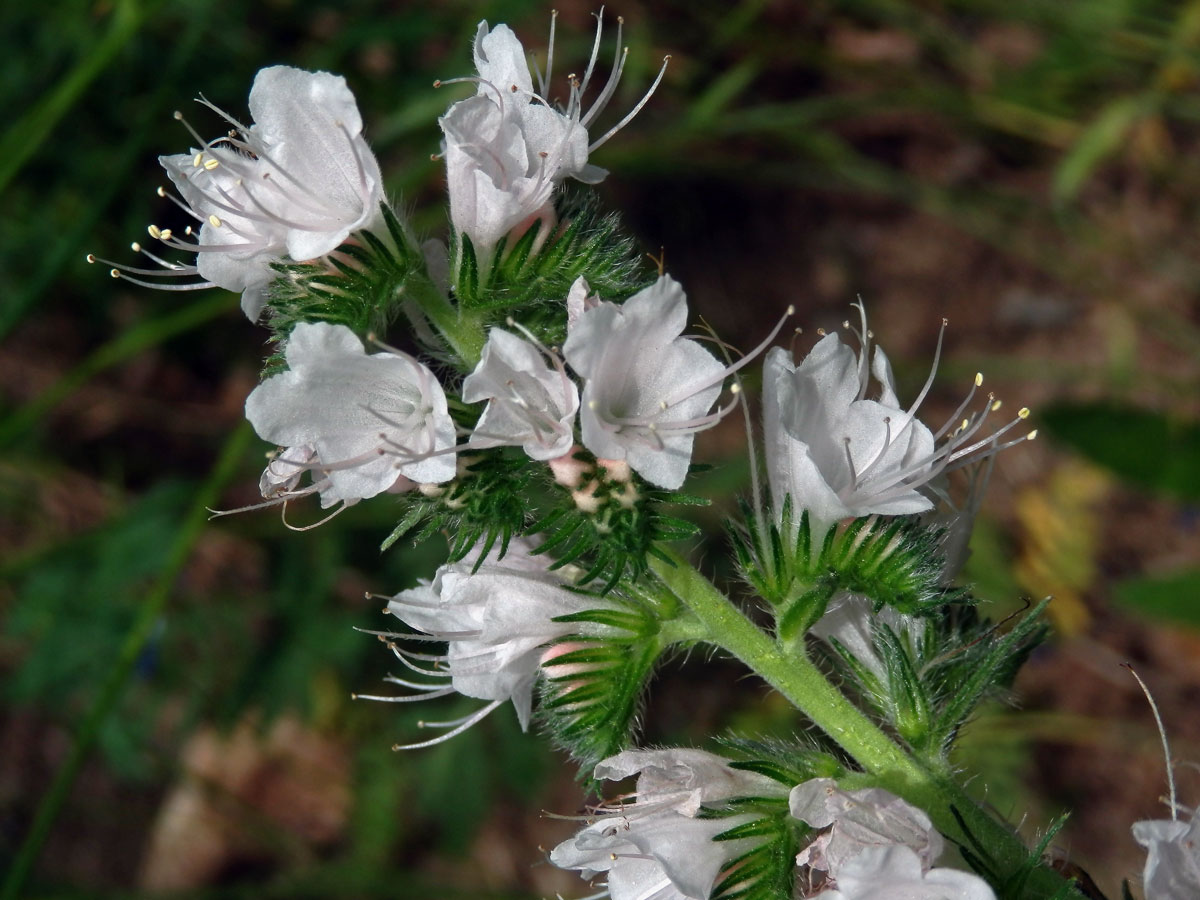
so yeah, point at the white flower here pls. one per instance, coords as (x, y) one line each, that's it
(647, 390)
(851, 620)
(361, 421)
(496, 620)
(507, 147)
(870, 817)
(895, 873)
(1173, 858)
(530, 404)
(839, 454)
(294, 184)
(658, 846)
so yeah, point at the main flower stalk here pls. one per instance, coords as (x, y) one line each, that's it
(787, 669)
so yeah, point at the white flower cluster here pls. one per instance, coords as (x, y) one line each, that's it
(870, 845)
(364, 423)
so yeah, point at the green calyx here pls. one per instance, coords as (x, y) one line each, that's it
(896, 561)
(608, 521)
(537, 269)
(593, 680)
(483, 506)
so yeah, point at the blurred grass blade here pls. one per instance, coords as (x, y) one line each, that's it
(1099, 140)
(139, 633)
(118, 350)
(16, 303)
(25, 136)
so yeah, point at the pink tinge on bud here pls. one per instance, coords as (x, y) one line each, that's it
(402, 485)
(586, 498)
(566, 670)
(616, 469)
(569, 471)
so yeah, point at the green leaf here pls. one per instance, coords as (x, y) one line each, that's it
(1174, 597)
(1145, 448)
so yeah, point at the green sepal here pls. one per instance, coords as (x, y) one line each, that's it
(985, 664)
(1009, 884)
(466, 270)
(484, 505)
(608, 525)
(894, 560)
(590, 705)
(767, 871)
(908, 701)
(788, 762)
(521, 278)
(361, 285)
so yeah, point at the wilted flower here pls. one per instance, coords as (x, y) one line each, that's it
(530, 404)
(659, 845)
(362, 422)
(496, 618)
(871, 817)
(295, 184)
(839, 454)
(896, 873)
(647, 390)
(508, 147)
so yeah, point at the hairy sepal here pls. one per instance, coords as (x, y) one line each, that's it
(484, 506)
(361, 285)
(523, 276)
(594, 680)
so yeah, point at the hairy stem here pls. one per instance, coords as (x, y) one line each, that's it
(462, 330)
(789, 671)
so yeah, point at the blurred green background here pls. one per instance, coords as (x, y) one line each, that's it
(174, 709)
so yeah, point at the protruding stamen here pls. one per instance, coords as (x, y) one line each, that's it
(636, 109)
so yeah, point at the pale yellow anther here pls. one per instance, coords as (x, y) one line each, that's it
(154, 231)
(821, 332)
(965, 425)
(591, 404)
(197, 160)
(210, 164)
(165, 234)
(91, 257)
(662, 404)
(114, 273)
(735, 389)
(135, 247)
(791, 310)
(177, 116)
(159, 190)
(996, 405)
(978, 379)
(1032, 435)
(1023, 412)
(214, 221)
